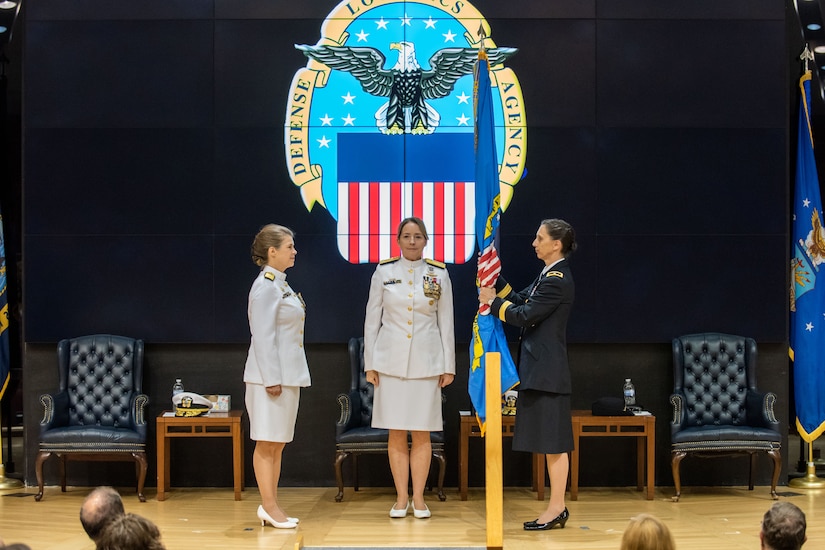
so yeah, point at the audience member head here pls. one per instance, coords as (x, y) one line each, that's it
(647, 532)
(100, 507)
(14, 546)
(783, 527)
(130, 532)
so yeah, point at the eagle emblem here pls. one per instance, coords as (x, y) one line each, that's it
(406, 85)
(379, 124)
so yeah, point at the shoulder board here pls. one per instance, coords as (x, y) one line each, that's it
(442, 265)
(558, 274)
(389, 260)
(269, 275)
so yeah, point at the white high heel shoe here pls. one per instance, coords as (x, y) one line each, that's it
(266, 518)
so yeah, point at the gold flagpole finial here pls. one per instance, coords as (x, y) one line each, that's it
(482, 34)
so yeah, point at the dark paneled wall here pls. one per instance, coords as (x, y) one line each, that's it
(154, 152)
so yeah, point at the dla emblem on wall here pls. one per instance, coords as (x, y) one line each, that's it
(379, 124)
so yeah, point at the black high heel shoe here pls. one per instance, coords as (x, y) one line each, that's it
(561, 520)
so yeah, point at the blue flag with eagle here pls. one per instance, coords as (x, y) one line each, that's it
(5, 363)
(488, 333)
(807, 305)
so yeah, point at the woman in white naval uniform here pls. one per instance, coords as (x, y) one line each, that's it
(276, 366)
(409, 355)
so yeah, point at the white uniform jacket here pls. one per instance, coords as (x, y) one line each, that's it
(408, 329)
(276, 321)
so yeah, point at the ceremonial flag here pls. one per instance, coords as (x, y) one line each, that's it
(807, 303)
(5, 363)
(488, 333)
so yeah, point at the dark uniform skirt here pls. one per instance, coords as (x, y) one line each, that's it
(543, 423)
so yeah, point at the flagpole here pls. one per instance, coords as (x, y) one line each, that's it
(5, 482)
(492, 447)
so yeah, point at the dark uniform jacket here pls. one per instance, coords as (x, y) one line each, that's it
(541, 310)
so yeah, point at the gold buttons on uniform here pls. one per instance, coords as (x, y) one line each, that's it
(409, 336)
(409, 322)
(409, 308)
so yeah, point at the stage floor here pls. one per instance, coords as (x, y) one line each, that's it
(210, 518)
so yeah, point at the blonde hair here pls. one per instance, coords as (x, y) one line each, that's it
(269, 235)
(647, 532)
(417, 221)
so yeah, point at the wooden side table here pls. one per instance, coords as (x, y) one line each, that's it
(469, 428)
(214, 424)
(643, 428)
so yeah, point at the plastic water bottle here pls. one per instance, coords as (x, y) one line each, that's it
(629, 391)
(177, 387)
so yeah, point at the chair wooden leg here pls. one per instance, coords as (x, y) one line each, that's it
(442, 468)
(675, 459)
(355, 471)
(750, 474)
(777, 467)
(340, 456)
(38, 469)
(62, 466)
(140, 460)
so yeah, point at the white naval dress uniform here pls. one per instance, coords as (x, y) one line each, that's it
(409, 339)
(276, 356)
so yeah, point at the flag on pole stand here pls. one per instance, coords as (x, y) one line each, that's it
(807, 294)
(488, 333)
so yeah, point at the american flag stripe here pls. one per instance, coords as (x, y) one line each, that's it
(369, 213)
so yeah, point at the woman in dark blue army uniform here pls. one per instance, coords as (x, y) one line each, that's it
(543, 418)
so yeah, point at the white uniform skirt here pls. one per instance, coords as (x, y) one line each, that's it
(407, 404)
(272, 418)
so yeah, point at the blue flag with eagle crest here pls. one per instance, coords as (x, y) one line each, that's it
(807, 305)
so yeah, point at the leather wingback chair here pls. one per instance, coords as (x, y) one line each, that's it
(717, 408)
(353, 433)
(98, 411)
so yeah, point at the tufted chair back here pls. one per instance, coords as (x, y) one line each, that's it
(100, 374)
(358, 382)
(717, 407)
(715, 375)
(354, 434)
(98, 410)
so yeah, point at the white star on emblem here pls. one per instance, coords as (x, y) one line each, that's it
(430, 23)
(323, 142)
(449, 37)
(348, 120)
(405, 20)
(463, 98)
(381, 24)
(806, 203)
(348, 98)
(362, 36)
(462, 120)
(326, 120)
(809, 327)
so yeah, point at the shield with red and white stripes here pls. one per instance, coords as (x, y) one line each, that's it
(384, 179)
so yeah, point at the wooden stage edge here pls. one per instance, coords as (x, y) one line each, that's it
(706, 517)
